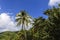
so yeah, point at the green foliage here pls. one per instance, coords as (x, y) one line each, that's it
(54, 22)
(8, 35)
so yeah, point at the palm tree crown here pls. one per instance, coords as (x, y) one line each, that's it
(22, 18)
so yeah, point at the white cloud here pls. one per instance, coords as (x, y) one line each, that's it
(53, 2)
(7, 23)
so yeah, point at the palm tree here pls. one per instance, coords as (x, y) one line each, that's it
(22, 18)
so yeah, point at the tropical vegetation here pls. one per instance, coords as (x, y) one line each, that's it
(42, 28)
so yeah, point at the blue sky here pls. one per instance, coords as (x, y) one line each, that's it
(35, 8)
(9, 8)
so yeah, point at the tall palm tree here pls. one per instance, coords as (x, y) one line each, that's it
(22, 18)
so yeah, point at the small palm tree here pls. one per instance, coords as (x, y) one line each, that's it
(22, 18)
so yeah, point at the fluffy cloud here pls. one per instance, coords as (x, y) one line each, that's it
(53, 2)
(7, 23)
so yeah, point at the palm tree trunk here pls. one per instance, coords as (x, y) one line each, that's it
(25, 33)
(23, 29)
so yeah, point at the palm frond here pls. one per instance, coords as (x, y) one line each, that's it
(19, 22)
